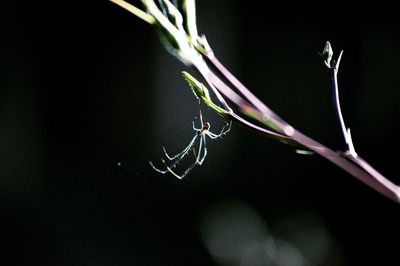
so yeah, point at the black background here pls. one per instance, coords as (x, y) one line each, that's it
(86, 102)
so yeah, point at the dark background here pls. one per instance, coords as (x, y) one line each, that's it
(88, 96)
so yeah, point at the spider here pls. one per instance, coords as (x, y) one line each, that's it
(201, 134)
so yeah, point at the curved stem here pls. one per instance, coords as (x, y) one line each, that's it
(337, 102)
(259, 129)
(268, 118)
(335, 86)
(263, 109)
(217, 86)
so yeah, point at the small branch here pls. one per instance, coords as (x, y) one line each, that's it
(357, 167)
(335, 86)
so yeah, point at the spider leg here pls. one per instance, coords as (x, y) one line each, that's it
(201, 117)
(199, 151)
(157, 169)
(229, 127)
(199, 160)
(174, 174)
(182, 153)
(225, 129)
(211, 135)
(188, 170)
(201, 122)
(200, 156)
(222, 133)
(169, 169)
(194, 127)
(194, 153)
(186, 151)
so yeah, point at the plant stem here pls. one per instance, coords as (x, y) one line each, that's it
(335, 86)
(217, 85)
(134, 10)
(355, 166)
(193, 51)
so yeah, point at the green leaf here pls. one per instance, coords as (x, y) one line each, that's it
(173, 14)
(189, 14)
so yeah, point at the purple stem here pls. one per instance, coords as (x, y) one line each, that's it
(355, 166)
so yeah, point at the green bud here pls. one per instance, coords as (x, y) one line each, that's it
(201, 92)
(197, 87)
(327, 54)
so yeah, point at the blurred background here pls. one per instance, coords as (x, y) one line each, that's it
(88, 95)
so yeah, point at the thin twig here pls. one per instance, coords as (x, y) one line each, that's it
(335, 86)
